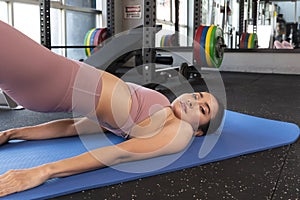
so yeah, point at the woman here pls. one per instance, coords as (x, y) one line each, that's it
(42, 81)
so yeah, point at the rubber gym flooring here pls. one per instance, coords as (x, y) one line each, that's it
(272, 174)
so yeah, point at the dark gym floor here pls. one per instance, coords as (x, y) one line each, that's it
(272, 174)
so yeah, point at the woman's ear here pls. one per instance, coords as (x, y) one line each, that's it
(199, 132)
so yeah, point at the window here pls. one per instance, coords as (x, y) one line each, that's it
(164, 10)
(3, 11)
(166, 16)
(70, 21)
(82, 3)
(69, 24)
(57, 33)
(26, 19)
(75, 34)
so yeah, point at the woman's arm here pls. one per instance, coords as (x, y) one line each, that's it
(53, 129)
(169, 140)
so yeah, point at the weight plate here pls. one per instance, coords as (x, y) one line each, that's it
(202, 46)
(89, 41)
(216, 47)
(96, 40)
(250, 46)
(208, 45)
(212, 45)
(97, 37)
(254, 41)
(88, 51)
(92, 39)
(197, 41)
(219, 47)
(162, 41)
(246, 41)
(242, 41)
(86, 41)
(101, 36)
(167, 40)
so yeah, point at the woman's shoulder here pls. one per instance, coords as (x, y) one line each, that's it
(177, 125)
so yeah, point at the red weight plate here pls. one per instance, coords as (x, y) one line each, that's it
(197, 45)
(242, 41)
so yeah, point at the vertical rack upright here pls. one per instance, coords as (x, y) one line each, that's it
(241, 16)
(45, 23)
(197, 14)
(149, 22)
(148, 49)
(197, 21)
(254, 15)
(110, 9)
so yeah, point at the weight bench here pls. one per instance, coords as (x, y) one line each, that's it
(114, 52)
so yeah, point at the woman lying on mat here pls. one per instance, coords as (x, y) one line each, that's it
(42, 81)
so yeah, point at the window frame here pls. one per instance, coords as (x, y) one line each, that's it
(63, 8)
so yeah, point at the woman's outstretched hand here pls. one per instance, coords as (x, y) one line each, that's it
(4, 137)
(19, 180)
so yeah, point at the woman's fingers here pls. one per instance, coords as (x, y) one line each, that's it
(11, 182)
(7, 183)
(3, 138)
(19, 180)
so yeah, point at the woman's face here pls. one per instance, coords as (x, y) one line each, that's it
(195, 108)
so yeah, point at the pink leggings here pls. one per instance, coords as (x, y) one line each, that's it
(43, 81)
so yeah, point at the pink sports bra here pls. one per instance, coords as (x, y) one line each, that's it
(145, 102)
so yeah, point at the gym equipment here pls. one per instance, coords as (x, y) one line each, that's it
(197, 45)
(249, 41)
(93, 38)
(167, 40)
(254, 41)
(87, 41)
(241, 134)
(242, 41)
(100, 36)
(209, 46)
(248, 14)
(202, 46)
(91, 43)
(8, 103)
(110, 57)
(208, 52)
(217, 46)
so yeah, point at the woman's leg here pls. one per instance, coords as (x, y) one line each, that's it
(43, 81)
(35, 77)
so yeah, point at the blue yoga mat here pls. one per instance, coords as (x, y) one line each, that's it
(241, 134)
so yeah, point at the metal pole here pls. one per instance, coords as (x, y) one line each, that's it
(241, 14)
(45, 23)
(148, 50)
(295, 17)
(110, 17)
(177, 22)
(254, 15)
(197, 15)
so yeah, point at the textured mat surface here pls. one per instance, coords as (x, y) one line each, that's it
(242, 134)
